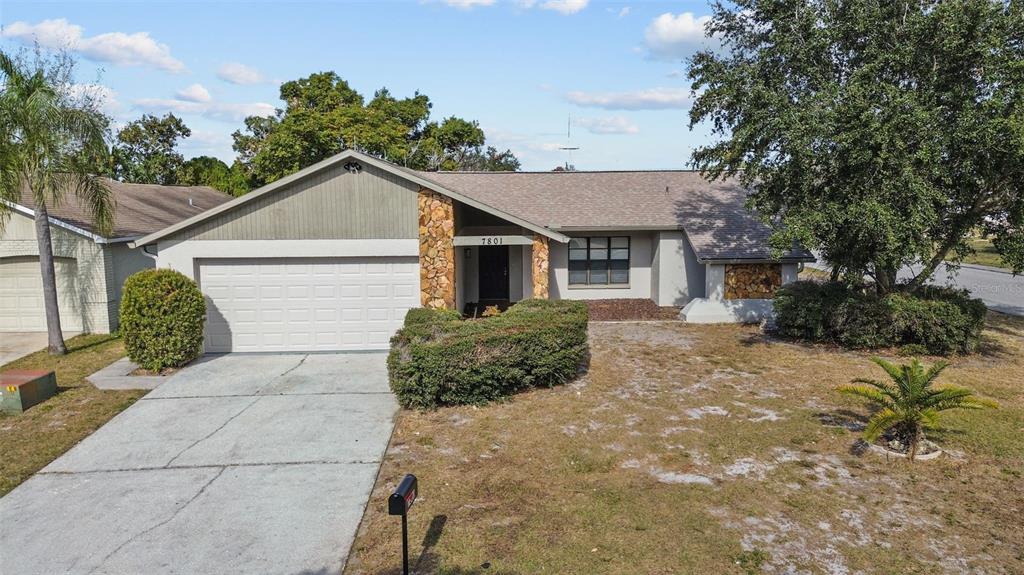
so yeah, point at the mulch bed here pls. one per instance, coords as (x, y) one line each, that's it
(629, 310)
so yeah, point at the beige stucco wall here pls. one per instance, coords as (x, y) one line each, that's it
(100, 269)
(676, 275)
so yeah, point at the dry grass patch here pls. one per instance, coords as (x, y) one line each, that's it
(706, 449)
(31, 440)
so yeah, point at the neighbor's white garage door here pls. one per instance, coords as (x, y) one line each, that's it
(21, 295)
(316, 304)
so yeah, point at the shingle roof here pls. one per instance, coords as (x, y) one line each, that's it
(139, 209)
(712, 214)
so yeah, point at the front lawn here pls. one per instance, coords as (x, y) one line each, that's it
(29, 441)
(985, 254)
(706, 449)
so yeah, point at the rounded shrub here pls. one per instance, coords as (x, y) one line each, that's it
(437, 360)
(934, 319)
(162, 316)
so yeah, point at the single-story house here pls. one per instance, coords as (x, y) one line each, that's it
(90, 267)
(332, 256)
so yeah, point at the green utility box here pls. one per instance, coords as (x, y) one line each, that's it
(23, 388)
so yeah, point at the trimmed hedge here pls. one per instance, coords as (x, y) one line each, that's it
(162, 316)
(421, 315)
(938, 320)
(437, 359)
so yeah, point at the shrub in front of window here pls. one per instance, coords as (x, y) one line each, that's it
(938, 320)
(536, 343)
(162, 316)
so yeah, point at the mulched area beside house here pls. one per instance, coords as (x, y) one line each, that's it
(629, 310)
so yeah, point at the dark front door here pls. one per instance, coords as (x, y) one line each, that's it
(493, 273)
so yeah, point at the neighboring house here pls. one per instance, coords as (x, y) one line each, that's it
(90, 267)
(331, 257)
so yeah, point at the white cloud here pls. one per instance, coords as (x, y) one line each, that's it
(562, 6)
(102, 96)
(216, 110)
(565, 6)
(650, 99)
(608, 125)
(466, 4)
(235, 73)
(674, 36)
(119, 48)
(194, 93)
(208, 143)
(624, 11)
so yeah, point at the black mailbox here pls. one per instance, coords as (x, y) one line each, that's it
(403, 497)
(398, 504)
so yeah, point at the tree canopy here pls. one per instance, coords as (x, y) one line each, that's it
(213, 172)
(323, 115)
(146, 150)
(881, 133)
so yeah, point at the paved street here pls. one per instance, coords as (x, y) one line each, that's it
(1000, 291)
(238, 464)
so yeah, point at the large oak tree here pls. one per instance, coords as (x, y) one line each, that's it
(882, 133)
(323, 115)
(146, 150)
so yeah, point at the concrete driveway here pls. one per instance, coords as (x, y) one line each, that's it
(237, 464)
(19, 344)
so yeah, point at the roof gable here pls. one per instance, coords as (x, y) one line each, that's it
(345, 156)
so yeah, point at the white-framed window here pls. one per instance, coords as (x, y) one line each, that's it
(599, 260)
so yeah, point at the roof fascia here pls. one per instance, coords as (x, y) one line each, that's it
(62, 224)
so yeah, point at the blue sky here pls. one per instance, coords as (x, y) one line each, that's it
(520, 67)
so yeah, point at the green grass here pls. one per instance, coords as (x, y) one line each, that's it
(985, 255)
(31, 440)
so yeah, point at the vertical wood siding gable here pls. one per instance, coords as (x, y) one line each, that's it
(333, 204)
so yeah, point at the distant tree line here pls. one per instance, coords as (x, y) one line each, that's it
(322, 115)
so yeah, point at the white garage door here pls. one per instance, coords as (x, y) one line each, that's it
(21, 295)
(316, 304)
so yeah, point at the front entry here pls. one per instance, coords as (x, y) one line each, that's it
(493, 270)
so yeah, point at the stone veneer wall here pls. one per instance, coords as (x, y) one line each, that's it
(752, 281)
(539, 271)
(437, 251)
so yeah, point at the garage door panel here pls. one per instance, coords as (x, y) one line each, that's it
(307, 304)
(21, 295)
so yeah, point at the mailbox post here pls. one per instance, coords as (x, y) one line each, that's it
(398, 504)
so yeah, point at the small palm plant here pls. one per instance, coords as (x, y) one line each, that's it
(909, 404)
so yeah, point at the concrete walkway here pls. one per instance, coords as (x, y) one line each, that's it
(16, 344)
(237, 464)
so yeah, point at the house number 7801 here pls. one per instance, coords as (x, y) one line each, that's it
(491, 241)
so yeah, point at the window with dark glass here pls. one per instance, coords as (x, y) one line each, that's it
(599, 261)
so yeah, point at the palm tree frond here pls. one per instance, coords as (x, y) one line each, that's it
(865, 391)
(880, 422)
(911, 402)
